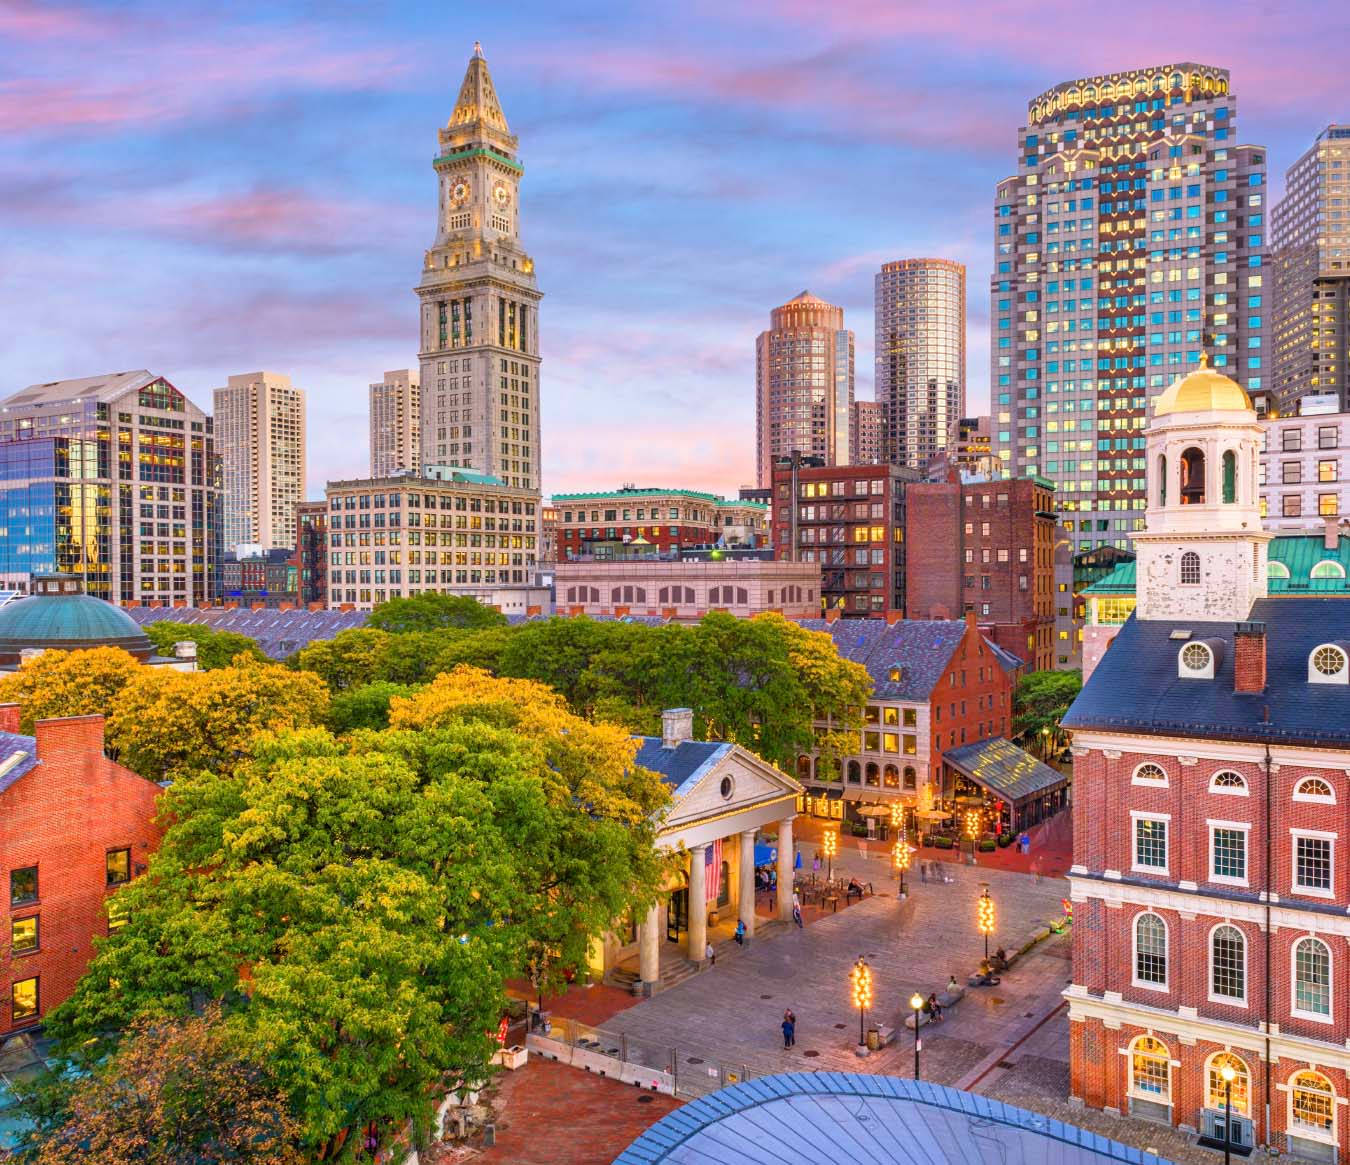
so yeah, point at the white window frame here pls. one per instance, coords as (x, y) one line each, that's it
(1294, 885)
(1143, 1093)
(1146, 984)
(1228, 790)
(1148, 782)
(1294, 1009)
(1315, 798)
(1214, 997)
(1137, 816)
(1326, 1137)
(1245, 828)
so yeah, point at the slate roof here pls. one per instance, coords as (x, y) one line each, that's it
(1004, 769)
(680, 767)
(921, 648)
(13, 745)
(842, 1118)
(1135, 687)
(279, 633)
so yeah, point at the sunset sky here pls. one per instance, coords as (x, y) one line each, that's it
(207, 189)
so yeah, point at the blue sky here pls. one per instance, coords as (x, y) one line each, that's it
(210, 189)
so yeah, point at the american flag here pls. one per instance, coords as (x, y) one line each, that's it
(712, 869)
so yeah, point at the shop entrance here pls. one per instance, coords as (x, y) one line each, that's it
(677, 917)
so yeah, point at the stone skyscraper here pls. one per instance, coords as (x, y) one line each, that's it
(1311, 235)
(395, 423)
(1130, 240)
(479, 303)
(260, 432)
(921, 355)
(804, 384)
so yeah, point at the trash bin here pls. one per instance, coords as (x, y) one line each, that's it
(873, 1039)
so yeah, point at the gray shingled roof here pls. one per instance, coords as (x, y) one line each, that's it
(1136, 688)
(847, 1118)
(921, 648)
(13, 745)
(679, 767)
(1003, 768)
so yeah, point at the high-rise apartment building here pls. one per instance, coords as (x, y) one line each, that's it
(479, 302)
(112, 478)
(395, 423)
(920, 355)
(804, 384)
(260, 428)
(867, 433)
(1130, 240)
(1310, 229)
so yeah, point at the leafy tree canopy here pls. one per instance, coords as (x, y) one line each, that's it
(1041, 700)
(365, 707)
(361, 901)
(434, 612)
(69, 683)
(214, 648)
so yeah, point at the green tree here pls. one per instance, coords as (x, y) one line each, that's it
(69, 683)
(214, 648)
(1041, 700)
(359, 903)
(432, 612)
(351, 659)
(365, 707)
(165, 723)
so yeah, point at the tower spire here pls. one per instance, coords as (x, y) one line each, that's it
(477, 103)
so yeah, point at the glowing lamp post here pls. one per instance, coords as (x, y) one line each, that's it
(984, 918)
(1229, 1074)
(972, 823)
(900, 858)
(916, 1002)
(860, 978)
(829, 846)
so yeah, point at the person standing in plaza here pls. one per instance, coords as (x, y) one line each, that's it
(796, 908)
(710, 955)
(789, 1029)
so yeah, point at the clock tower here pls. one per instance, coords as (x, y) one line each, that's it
(479, 349)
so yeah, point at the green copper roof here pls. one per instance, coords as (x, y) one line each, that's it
(1297, 553)
(68, 621)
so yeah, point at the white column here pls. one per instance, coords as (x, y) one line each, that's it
(649, 949)
(785, 856)
(747, 902)
(698, 904)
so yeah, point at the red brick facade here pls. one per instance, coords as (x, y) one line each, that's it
(64, 817)
(971, 701)
(1112, 999)
(986, 547)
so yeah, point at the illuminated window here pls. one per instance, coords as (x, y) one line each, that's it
(1312, 1105)
(23, 1000)
(118, 867)
(1150, 1069)
(23, 935)
(1239, 1090)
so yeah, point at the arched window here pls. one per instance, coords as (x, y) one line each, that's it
(1227, 964)
(1193, 477)
(873, 775)
(1227, 781)
(1327, 664)
(1150, 950)
(1229, 477)
(1190, 569)
(911, 781)
(1327, 568)
(1150, 774)
(1276, 570)
(1312, 1106)
(892, 777)
(1162, 480)
(1314, 789)
(854, 772)
(1239, 1090)
(1312, 977)
(1150, 1069)
(803, 768)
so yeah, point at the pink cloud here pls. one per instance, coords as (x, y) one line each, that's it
(24, 20)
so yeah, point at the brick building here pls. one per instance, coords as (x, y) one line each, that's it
(987, 548)
(311, 551)
(849, 519)
(74, 826)
(597, 524)
(1211, 745)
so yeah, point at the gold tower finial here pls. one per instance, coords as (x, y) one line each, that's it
(1204, 358)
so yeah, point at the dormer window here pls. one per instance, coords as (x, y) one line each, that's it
(1196, 661)
(1327, 568)
(895, 675)
(1276, 570)
(1329, 664)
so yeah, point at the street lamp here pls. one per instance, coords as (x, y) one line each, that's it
(916, 1002)
(1229, 1074)
(900, 857)
(984, 918)
(829, 846)
(861, 979)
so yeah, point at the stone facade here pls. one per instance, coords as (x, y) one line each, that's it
(686, 590)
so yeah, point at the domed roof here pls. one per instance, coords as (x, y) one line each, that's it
(1203, 391)
(59, 615)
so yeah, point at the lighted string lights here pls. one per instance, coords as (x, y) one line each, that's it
(829, 846)
(984, 918)
(860, 980)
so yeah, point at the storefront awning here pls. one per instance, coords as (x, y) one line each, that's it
(999, 767)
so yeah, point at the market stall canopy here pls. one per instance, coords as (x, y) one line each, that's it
(873, 810)
(999, 767)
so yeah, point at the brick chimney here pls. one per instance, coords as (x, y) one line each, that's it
(9, 717)
(77, 737)
(677, 726)
(1331, 533)
(1249, 657)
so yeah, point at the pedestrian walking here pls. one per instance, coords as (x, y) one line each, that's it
(740, 932)
(789, 1030)
(796, 908)
(711, 955)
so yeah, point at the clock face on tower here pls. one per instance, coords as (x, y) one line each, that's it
(459, 192)
(501, 194)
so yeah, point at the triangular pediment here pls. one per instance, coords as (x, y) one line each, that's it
(752, 782)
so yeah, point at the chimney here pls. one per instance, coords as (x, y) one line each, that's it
(894, 617)
(185, 649)
(1249, 657)
(9, 717)
(677, 726)
(1331, 533)
(80, 736)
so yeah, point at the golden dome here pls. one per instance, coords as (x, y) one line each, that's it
(1204, 390)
